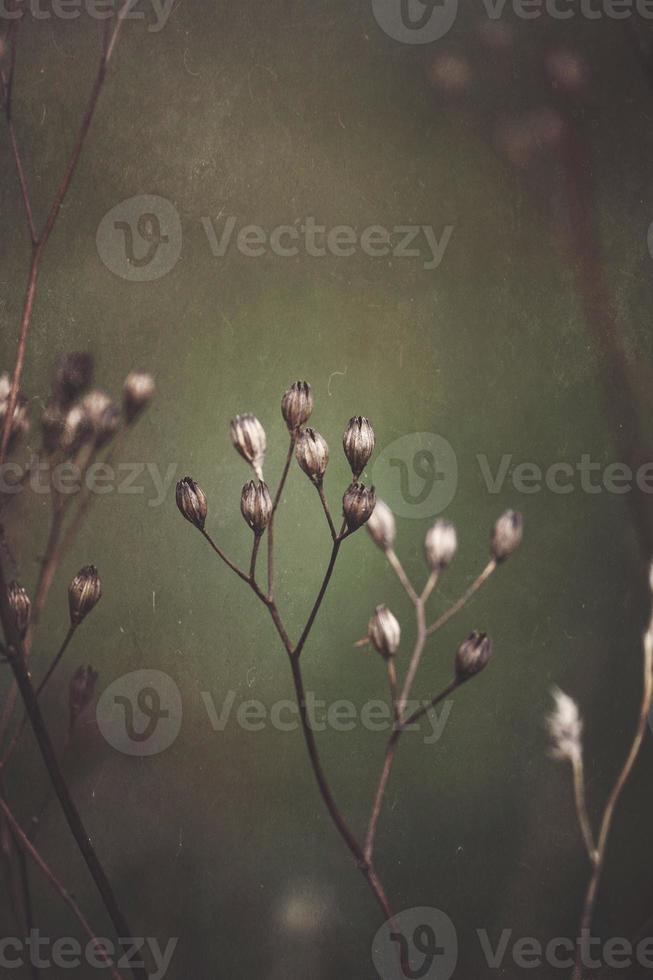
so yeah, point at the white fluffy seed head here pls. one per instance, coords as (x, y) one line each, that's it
(565, 727)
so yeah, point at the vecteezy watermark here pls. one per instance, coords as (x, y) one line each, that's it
(67, 479)
(426, 21)
(423, 942)
(310, 238)
(140, 239)
(155, 12)
(140, 714)
(417, 943)
(417, 474)
(564, 477)
(66, 953)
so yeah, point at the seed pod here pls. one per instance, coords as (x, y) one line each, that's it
(191, 501)
(81, 692)
(472, 656)
(297, 405)
(358, 505)
(248, 437)
(102, 414)
(73, 375)
(84, 593)
(384, 632)
(77, 430)
(358, 443)
(381, 526)
(137, 390)
(20, 605)
(312, 454)
(440, 545)
(256, 506)
(507, 535)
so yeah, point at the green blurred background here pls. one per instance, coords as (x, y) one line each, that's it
(272, 113)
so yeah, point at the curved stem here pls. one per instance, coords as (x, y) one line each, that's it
(608, 814)
(275, 504)
(29, 849)
(320, 596)
(327, 513)
(581, 807)
(464, 599)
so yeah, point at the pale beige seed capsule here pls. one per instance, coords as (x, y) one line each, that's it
(381, 526)
(84, 593)
(473, 655)
(312, 454)
(506, 535)
(191, 501)
(256, 506)
(248, 438)
(297, 405)
(384, 631)
(440, 545)
(358, 443)
(138, 391)
(358, 505)
(565, 727)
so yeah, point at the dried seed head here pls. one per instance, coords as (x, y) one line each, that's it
(358, 443)
(312, 454)
(81, 692)
(137, 390)
(381, 526)
(358, 505)
(77, 430)
(384, 632)
(20, 605)
(84, 593)
(440, 545)
(191, 502)
(73, 375)
(473, 655)
(297, 405)
(565, 727)
(256, 506)
(102, 414)
(248, 437)
(20, 420)
(507, 535)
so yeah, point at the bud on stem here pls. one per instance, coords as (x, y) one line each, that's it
(472, 656)
(256, 506)
(297, 405)
(84, 593)
(248, 438)
(312, 454)
(21, 606)
(507, 535)
(384, 632)
(358, 444)
(440, 545)
(358, 505)
(191, 502)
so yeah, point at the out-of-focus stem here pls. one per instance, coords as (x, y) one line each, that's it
(464, 599)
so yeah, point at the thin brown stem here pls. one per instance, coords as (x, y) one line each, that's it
(53, 666)
(341, 825)
(40, 241)
(29, 849)
(275, 504)
(613, 799)
(252, 563)
(388, 761)
(327, 512)
(581, 807)
(398, 569)
(320, 596)
(464, 599)
(392, 683)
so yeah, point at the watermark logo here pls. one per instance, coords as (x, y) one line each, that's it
(140, 238)
(417, 944)
(415, 21)
(417, 474)
(140, 713)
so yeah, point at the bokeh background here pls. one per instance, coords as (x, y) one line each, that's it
(272, 113)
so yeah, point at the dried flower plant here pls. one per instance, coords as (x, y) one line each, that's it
(566, 731)
(77, 424)
(359, 507)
